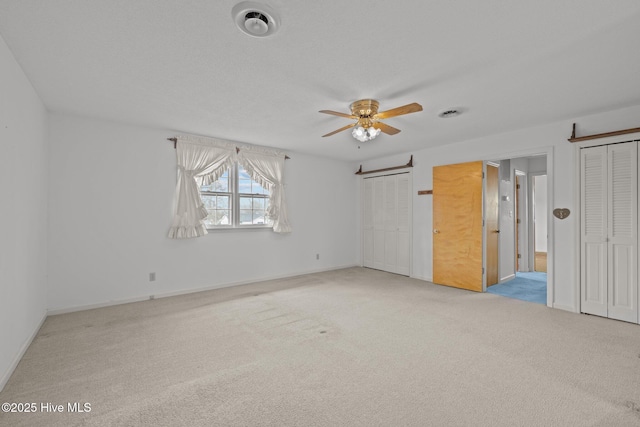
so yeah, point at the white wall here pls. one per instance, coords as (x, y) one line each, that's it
(112, 188)
(547, 139)
(540, 212)
(23, 212)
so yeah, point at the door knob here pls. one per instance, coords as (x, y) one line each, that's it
(496, 231)
(436, 231)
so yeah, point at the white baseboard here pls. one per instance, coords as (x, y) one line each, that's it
(507, 278)
(16, 359)
(188, 291)
(426, 279)
(565, 307)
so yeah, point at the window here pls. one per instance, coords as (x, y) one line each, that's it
(235, 200)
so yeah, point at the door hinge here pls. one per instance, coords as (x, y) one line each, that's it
(518, 220)
(482, 175)
(517, 186)
(482, 270)
(519, 256)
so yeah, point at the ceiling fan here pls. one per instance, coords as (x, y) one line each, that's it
(368, 125)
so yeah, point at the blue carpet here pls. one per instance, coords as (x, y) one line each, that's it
(525, 286)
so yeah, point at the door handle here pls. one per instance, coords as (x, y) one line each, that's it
(496, 231)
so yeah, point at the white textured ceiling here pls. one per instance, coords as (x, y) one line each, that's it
(184, 66)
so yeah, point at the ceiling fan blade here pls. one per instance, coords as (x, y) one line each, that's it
(405, 109)
(389, 130)
(341, 129)
(335, 113)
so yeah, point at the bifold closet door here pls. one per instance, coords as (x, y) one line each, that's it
(609, 247)
(373, 226)
(593, 253)
(622, 215)
(403, 224)
(367, 223)
(386, 223)
(396, 224)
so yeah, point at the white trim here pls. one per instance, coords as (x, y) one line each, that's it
(190, 291)
(361, 220)
(507, 278)
(20, 354)
(484, 224)
(565, 308)
(577, 229)
(523, 227)
(550, 232)
(425, 279)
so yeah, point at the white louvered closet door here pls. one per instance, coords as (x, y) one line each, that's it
(622, 231)
(609, 247)
(593, 253)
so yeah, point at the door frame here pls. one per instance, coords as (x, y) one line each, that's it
(522, 234)
(548, 152)
(484, 222)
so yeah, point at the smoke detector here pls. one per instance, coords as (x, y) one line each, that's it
(255, 19)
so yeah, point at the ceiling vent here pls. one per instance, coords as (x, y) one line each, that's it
(255, 19)
(447, 114)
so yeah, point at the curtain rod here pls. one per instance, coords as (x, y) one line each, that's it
(175, 143)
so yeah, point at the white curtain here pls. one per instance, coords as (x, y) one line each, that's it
(266, 167)
(200, 161)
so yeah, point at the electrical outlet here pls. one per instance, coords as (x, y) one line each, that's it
(152, 277)
(317, 256)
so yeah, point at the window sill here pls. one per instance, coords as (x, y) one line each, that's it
(240, 228)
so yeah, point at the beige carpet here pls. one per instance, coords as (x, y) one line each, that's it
(353, 347)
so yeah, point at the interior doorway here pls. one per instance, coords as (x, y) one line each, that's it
(524, 209)
(462, 227)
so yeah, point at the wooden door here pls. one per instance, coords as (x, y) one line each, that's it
(457, 225)
(492, 214)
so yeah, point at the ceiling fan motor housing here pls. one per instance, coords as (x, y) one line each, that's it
(365, 108)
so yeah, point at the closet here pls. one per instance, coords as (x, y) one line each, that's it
(609, 231)
(386, 222)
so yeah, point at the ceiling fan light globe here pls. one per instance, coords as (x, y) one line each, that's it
(363, 134)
